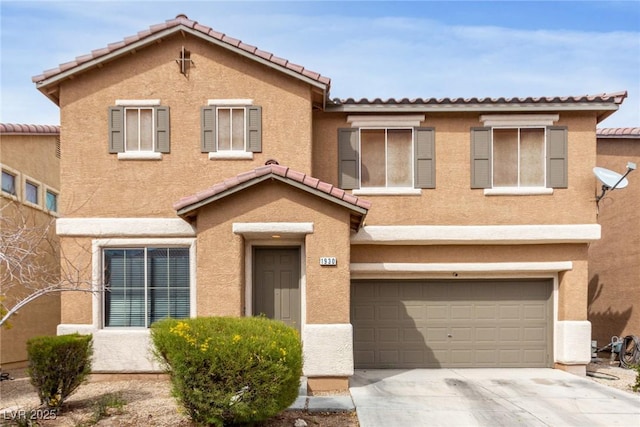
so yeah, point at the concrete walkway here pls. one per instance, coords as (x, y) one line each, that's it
(488, 397)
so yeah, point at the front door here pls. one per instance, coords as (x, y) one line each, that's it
(276, 284)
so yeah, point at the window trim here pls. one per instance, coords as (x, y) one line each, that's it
(98, 245)
(245, 104)
(17, 187)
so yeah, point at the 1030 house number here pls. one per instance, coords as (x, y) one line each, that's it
(328, 260)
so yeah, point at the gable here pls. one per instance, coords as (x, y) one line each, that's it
(48, 82)
(188, 206)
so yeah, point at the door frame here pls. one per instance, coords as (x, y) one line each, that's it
(248, 269)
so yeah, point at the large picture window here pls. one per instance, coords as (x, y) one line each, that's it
(144, 285)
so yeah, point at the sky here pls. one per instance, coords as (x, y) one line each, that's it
(369, 49)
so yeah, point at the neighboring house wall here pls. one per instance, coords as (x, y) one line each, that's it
(30, 153)
(614, 260)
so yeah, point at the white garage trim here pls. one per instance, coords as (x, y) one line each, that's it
(448, 270)
(328, 350)
(475, 234)
(124, 227)
(573, 342)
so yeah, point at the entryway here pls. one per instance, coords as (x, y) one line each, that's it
(276, 284)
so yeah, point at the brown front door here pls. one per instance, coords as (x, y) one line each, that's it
(276, 284)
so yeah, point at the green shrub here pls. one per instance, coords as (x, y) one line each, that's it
(58, 365)
(230, 370)
(636, 386)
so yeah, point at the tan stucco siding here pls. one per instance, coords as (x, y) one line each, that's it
(221, 253)
(77, 266)
(96, 183)
(453, 202)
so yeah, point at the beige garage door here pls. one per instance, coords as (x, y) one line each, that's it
(448, 324)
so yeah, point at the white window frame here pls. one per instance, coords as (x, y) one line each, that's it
(139, 104)
(98, 247)
(519, 190)
(230, 154)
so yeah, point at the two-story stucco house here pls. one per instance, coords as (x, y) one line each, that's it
(30, 164)
(203, 176)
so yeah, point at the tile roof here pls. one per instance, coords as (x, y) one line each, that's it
(22, 129)
(173, 25)
(616, 97)
(618, 132)
(282, 173)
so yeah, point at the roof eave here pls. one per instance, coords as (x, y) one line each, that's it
(606, 109)
(57, 78)
(188, 210)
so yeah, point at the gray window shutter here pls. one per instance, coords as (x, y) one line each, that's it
(557, 176)
(254, 129)
(163, 133)
(481, 158)
(208, 129)
(116, 129)
(425, 160)
(348, 158)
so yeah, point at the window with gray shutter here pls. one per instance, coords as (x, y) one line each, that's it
(481, 158)
(348, 159)
(557, 175)
(208, 129)
(139, 129)
(163, 143)
(231, 128)
(116, 129)
(425, 166)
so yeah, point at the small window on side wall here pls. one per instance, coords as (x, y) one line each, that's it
(9, 183)
(31, 192)
(51, 201)
(231, 131)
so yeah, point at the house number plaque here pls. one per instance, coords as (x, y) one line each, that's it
(328, 260)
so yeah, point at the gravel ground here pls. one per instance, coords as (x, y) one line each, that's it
(149, 402)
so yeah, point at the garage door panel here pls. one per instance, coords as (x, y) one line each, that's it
(412, 324)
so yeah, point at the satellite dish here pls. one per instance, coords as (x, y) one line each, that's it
(609, 178)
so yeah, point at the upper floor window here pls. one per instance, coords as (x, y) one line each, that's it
(145, 284)
(386, 159)
(519, 159)
(9, 183)
(139, 129)
(31, 191)
(231, 129)
(51, 201)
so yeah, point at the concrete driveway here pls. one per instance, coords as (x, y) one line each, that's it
(488, 397)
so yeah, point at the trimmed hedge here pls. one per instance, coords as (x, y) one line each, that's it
(58, 365)
(230, 370)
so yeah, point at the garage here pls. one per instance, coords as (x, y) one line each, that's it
(452, 323)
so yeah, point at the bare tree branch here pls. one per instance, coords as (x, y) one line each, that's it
(31, 262)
